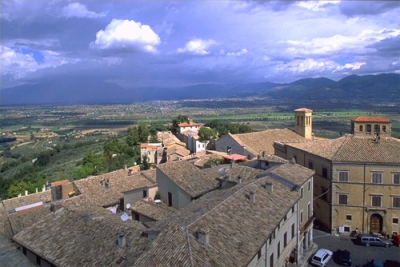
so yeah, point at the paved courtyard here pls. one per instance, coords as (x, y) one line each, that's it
(360, 255)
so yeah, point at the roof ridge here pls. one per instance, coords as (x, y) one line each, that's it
(189, 247)
(346, 140)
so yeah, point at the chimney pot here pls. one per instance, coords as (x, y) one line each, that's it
(269, 187)
(121, 240)
(26, 192)
(239, 180)
(203, 236)
(253, 196)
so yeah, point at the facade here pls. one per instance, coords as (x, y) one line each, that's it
(356, 182)
(371, 126)
(189, 125)
(303, 122)
(153, 151)
(254, 144)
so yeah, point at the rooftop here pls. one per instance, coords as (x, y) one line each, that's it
(237, 227)
(258, 142)
(13, 203)
(188, 177)
(154, 211)
(372, 119)
(350, 148)
(74, 235)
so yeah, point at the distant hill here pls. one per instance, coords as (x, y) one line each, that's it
(383, 87)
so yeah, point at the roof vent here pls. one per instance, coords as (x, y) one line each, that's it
(204, 236)
(252, 196)
(269, 187)
(121, 240)
(292, 160)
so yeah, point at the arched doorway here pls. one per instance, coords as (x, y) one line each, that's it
(375, 225)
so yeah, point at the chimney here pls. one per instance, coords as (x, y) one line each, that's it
(44, 188)
(121, 240)
(26, 192)
(239, 180)
(36, 190)
(203, 236)
(269, 187)
(252, 196)
(292, 160)
(232, 163)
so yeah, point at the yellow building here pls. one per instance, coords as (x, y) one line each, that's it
(356, 181)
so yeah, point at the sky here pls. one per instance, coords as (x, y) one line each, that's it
(179, 43)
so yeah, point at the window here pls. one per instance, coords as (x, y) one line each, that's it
(396, 178)
(348, 217)
(347, 229)
(384, 128)
(144, 193)
(377, 128)
(309, 186)
(301, 216)
(343, 176)
(368, 128)
(295, 158)
(361, 128)
(309, 210)
(259, 255)
(302, 192)
(396, 202)
(343, 199)
(395, 220)
(271, 260)
(376, 201)
(285, 240)
(376, 177)
(292, 230)
(311, 165)
(324, 172)
(279, 249)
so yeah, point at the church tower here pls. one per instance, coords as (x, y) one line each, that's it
(303, 122)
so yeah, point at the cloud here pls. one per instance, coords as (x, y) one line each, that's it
(197, 47)
(241, 52)
(80, 11)
(316, 5)
(359, 8)
(126, 35)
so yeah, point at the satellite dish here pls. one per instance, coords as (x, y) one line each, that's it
(124, 217)
(128, 205)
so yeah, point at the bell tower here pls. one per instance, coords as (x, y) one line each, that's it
(303, 122)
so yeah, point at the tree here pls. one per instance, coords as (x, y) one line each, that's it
(112, 146)
(132, 137)
(143, 131)
(206, 133)
(176, 121)
(145, 163)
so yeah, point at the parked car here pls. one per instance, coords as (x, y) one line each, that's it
(371, 240)
(343, 257)
(322, 257)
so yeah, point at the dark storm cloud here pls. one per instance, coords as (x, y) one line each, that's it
(360, 8)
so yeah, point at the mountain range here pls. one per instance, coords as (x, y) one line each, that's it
(383, 87)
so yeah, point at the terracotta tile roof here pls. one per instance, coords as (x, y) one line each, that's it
(23, 219)
(371, 119)
(294, 173)
(186, 124)
(74, 236)
(351, 148)
(237, 227)
(202, 161)
(258, 142)
(12, 203)
(188, 177)
(168, 139)
(232, 173)
(303, 110)
(154, 211)
(107, 189)
(60, 183)
(150, 146)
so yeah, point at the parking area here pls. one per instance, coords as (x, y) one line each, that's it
(360, 255)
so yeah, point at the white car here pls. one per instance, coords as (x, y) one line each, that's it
(322, 257)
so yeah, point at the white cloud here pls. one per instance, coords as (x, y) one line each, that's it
(17, 64)
(316, 5)
(197, 47)
(80, 11)
(339, 43)
(241, 52)
(126, 34)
